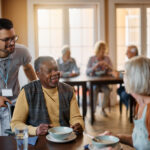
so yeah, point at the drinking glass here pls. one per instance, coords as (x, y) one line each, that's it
(21, 135)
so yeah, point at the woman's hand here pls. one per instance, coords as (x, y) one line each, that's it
(105, 133)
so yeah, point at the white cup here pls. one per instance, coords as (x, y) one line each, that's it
(21, 135)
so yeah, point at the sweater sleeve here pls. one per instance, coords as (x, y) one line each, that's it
(21, 113)
(75, 116)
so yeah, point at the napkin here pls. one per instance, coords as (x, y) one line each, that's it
(86, 146)
(31, 140)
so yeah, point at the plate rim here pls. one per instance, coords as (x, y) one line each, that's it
(74, 136)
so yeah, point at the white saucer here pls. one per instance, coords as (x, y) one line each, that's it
(70, 138)
(117, 147)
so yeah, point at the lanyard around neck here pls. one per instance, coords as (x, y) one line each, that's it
(2, 75)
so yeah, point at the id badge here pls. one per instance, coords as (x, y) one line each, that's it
(7, 92)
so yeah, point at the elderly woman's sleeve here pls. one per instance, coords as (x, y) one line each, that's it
(89, 68)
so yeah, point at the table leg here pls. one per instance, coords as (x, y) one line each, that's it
(120, 106)
(131, 108)
(84, 102)
(78, 94)
(91, 103)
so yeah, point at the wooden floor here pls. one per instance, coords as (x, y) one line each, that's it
(115, 122)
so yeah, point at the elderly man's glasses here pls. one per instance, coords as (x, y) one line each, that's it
(9, 40)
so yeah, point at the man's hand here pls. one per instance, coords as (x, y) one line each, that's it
(61, 73)
(77, 128)
(3, 100)
(115, 74)
(73, 74)
(42, 129)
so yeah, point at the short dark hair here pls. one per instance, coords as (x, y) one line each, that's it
(40, 60)
(5, 24)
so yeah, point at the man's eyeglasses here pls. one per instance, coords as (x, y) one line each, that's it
(9, 40)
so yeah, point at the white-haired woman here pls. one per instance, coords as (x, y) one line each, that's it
(66, 64)
(137, 83)
(98, 65)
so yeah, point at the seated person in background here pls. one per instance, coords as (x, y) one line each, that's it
(98, 65)
(47, 102)
(137, 83)
(132, 51)
(66, 64)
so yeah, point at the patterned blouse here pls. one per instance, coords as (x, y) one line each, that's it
(91, 64)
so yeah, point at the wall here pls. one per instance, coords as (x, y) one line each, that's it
(10, 9)
(16, 10)
(106, 20)
(0, 8)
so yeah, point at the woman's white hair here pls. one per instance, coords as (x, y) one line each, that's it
(64, 49)
(137, 75)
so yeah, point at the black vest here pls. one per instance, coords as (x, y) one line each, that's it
(37, 108)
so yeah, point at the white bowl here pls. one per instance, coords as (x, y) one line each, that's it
(105, 141)
(60, 133)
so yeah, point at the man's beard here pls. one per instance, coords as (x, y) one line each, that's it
(6, 51)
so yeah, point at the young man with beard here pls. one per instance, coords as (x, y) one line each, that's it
(12, 56)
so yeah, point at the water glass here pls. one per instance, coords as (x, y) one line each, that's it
(21, 135)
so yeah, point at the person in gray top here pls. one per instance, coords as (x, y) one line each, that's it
(12, 56)
(66, 64)
(132, 51)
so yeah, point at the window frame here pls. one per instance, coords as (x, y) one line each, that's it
(113, 4)
(31, 4)
(65, 15)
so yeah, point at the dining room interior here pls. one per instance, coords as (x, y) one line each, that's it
(45, 26)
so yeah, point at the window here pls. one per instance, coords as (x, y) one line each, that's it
(75, 26)
(128, 32)
(129, 25)
(148, 32)
(50, 31)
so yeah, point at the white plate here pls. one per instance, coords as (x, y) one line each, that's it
(70, 138)
(117, 147)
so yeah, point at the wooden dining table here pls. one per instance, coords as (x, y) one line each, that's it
(103, 80)
(82, 80)
(9, 143)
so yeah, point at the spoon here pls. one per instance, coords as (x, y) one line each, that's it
(92, 137)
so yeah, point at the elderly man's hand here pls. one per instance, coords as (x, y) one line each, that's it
(73, 74)
(115, 74)
(3, 100)
(42, 129)
(77, 128)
